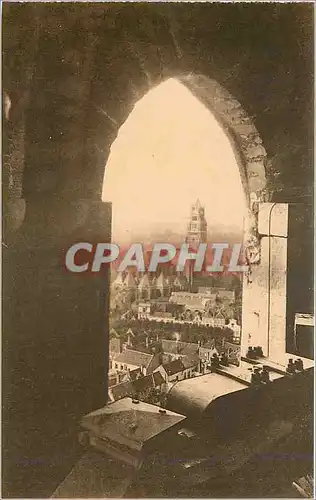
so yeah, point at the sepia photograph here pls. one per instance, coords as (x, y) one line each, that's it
(157, 250)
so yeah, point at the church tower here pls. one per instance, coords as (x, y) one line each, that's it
(197, 228)
(196, 234)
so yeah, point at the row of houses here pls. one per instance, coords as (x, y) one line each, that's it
(208, 307)
(202, 297)
(141, 387)
(131, 359)
(180, 369)
(149, 287)
(170, 348)
(134, 372)
(196, 317)
(151, 379)
(147, 376)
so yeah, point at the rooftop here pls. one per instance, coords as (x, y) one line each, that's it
(131, 357)
(158, 378)
(190, 361)
(143, 384)
(197, 393)
(177, 347)
(130, 422)
(122, 390)
(173, 367)
(136, 385)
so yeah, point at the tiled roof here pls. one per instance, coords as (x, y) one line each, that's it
(134, 374)
(174, 367)
(136, 358)
(190, 361)
(129, 423)
(158, 378)
(175, 347)
(136, 386)
(143, 383)
(143, 348)
(120, 391)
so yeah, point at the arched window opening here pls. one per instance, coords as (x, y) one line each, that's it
(173, 177)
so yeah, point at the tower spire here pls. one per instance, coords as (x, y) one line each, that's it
(197, 227)
(196, 234)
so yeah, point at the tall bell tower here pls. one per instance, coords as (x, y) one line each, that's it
(197, 227)
(196, 234)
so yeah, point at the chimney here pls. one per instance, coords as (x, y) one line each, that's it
(177, 336)
(201, 367)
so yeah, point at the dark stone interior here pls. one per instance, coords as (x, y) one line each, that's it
(73, 73)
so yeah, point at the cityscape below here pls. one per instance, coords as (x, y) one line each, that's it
(166, 326)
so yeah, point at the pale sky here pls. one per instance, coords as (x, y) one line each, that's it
(169, 152)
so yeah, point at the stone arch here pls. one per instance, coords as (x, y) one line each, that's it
(103, 126)
(240, 129)
(250, 154)
(88, 73)
(246, 142)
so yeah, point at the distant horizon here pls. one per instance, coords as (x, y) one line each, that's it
(231, 234)
(164, 234)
